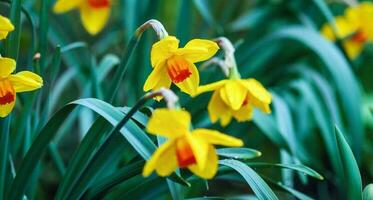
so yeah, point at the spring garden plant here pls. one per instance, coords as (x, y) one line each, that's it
(218, 109)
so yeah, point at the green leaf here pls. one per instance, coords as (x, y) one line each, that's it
(203, 9)
(368, 192)
(43, 34)
(127, 172)
(288, 189)
(13, 40)
(239, 153)
(4, 143)
(352, 178)
(267, 125)
(257, 184)
(299, 168)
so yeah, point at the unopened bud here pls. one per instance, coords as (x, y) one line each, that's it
(37, 56)
(155, 25)
(169, 96)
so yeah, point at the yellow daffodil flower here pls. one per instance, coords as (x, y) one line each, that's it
(236, 98)
(10, 84)
(176, 65)
(185, 149)
(354, 28)
(93, 13)
(5, 27)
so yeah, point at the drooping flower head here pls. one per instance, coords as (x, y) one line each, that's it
(184, 148)
(234, 97)
(5, 27)
(11, 84)
(94, 14)
(354, 28)
(172, 64)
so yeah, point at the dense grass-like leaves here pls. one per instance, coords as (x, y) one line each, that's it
(260, 188)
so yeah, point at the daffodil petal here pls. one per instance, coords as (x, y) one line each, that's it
(170, 123)
(216, 107)
(225, 119)
(217, 138)
(163, 160)
(233, 94)
(198, 50)
(158, 78)
(190, 84)
(365, 12)
(62, 6)
(210, 87)
(94, 19)
(7, 66)
(7, 108)
(344, 28)
(5, 27)
(353, 49)
(211, 166)
(162, 49)
(26, 81)
(245, 113)
(258, 95)
(200, 150)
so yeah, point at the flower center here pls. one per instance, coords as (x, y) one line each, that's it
(245, 102)
(359, 37)
(7, 93)
(184, 153)
(178, 69)
(99, 3)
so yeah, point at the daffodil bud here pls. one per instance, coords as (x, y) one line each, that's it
(169, 96)
(155, 25)
(229, 60)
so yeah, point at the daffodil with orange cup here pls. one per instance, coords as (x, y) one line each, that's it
(172, 64)
(11, 84)
(235, 97)
(185, 148)
(94, 14)
(354, 28)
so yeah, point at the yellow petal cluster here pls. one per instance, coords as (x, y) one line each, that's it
(184, 148)
(236, 98)
(5, 27)
(354, 28)
(94, 14)
(11, 84)
(172, 64)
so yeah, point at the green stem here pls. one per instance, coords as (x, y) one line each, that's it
(43, 35)
(119, 74)
(12, 43)
(4, 140)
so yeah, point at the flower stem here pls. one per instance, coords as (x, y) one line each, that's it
(4, 140)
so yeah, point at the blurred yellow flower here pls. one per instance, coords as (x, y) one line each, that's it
(236, 98)
(185, 149)
(176, 65)
(93, 13)
(355, 28)
(10, 84)
(5, 27)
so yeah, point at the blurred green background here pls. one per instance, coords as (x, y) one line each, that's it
(314, 86)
